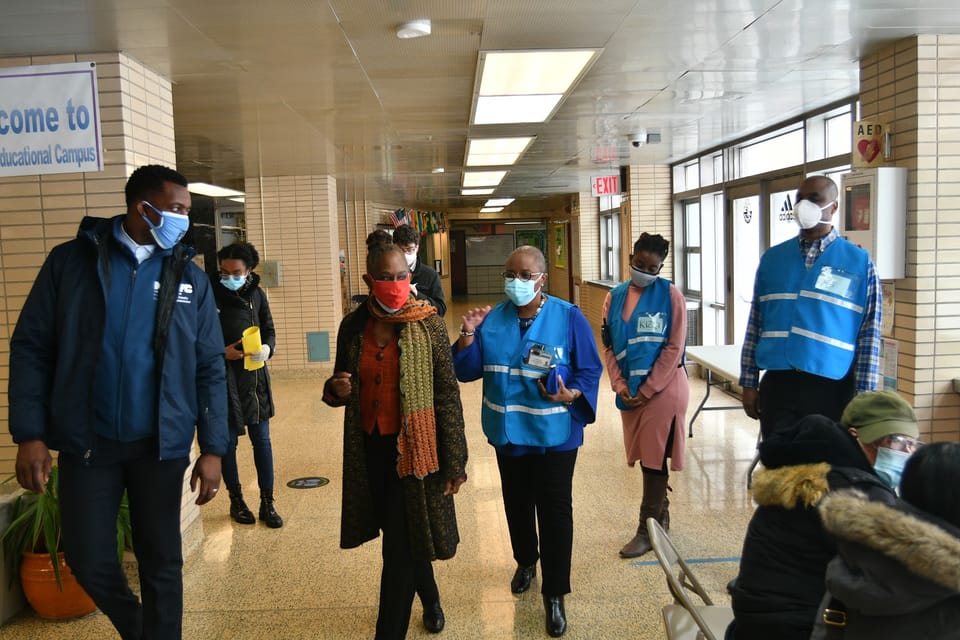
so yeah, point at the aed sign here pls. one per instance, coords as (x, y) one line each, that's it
(868, 143)
(50, 120)
(605, 185)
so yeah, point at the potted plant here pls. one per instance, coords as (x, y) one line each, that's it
(31, 544)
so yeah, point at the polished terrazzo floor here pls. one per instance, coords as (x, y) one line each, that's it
(250, 582)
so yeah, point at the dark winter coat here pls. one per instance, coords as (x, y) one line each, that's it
(57, 344)
(897, 573)
(786, 550)
(250, 400)
(431, 517)
(429, 287)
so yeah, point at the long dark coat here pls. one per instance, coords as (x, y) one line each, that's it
(431, 517)
(250, 400)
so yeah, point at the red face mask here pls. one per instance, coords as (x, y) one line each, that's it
(392, 294)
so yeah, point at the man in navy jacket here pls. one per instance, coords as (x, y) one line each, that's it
(116, 357)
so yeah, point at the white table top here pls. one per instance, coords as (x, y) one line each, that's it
(722, 359)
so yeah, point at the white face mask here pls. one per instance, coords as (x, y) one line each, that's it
(411, 259)
(808, 214)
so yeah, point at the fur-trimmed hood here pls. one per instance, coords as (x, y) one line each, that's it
(921, 547)
(797, 486)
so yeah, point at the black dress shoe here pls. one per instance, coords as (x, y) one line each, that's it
(522, 577)
(433, 619)
(556, 616)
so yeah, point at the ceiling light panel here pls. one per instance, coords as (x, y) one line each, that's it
(507, 109)
(489, 152)
(511, 73)
(491, 209)
(212, 190)
(498, 202)
(477, 192)
(482, 178)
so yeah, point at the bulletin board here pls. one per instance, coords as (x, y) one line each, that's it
(483, 251)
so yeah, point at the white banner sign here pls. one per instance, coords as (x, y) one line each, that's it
(50, 120)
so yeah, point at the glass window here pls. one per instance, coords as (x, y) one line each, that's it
(610, 246)
(839, 134)
(779, 151)
(691, 245)
(746, 258)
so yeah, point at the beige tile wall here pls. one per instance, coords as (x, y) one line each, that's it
(39, 212)
(293, 219)
(914, 85)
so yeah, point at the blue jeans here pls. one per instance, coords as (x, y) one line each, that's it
(262, 458)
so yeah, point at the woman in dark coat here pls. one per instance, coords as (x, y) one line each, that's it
(404, 449)
(897, 573)
(786, 550)
(243, 304)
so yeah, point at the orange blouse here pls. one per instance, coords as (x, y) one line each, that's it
(379, 384)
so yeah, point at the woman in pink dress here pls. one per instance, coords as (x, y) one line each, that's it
(644, 332)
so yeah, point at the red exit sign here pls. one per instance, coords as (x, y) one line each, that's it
(604, 185)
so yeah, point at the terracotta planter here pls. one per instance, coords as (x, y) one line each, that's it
(40, 588)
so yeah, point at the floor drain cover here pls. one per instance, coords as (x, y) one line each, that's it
(311, 482)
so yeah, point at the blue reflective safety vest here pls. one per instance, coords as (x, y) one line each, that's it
(811, 317)
(513, 410)
(638, 342)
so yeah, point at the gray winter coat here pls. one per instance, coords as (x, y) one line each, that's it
(897, 573)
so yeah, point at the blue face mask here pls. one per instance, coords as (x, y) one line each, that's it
(520, 292)
(172, 227)
(234, 283)
(889, 466)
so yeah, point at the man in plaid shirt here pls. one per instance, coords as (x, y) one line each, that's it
(815, 319)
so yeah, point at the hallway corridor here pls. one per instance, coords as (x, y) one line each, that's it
(249, 582)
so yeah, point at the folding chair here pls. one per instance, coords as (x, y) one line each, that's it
(683, 619)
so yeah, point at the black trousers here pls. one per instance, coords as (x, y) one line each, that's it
(787, 396)
(90, 495)
(538, 493)
(402, 575)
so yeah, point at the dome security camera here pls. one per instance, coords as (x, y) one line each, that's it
(638, 139)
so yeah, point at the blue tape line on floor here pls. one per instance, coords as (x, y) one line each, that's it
(647, 563)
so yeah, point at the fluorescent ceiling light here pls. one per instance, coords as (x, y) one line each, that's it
(482, 178)
(526, 86)
(508, 109)
(477, 192)
(496, 151)
(240, 199)
(438, 170)
(212, 190)
(498, 202)
(523, 222)
(491, 209)
(513, 73)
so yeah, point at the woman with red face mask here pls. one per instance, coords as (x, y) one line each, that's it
(404, 449)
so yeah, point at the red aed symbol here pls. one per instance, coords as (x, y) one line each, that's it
(868, 149)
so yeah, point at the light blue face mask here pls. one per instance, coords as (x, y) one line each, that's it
(234, 283)
(889, 466)
(520, 292)
(641, 279)
(172, 227)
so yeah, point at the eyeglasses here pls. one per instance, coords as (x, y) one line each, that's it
(900, 442)
(523, 276)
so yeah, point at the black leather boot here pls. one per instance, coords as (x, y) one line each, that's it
(268, 514)
(238, 508)
(556, 617)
